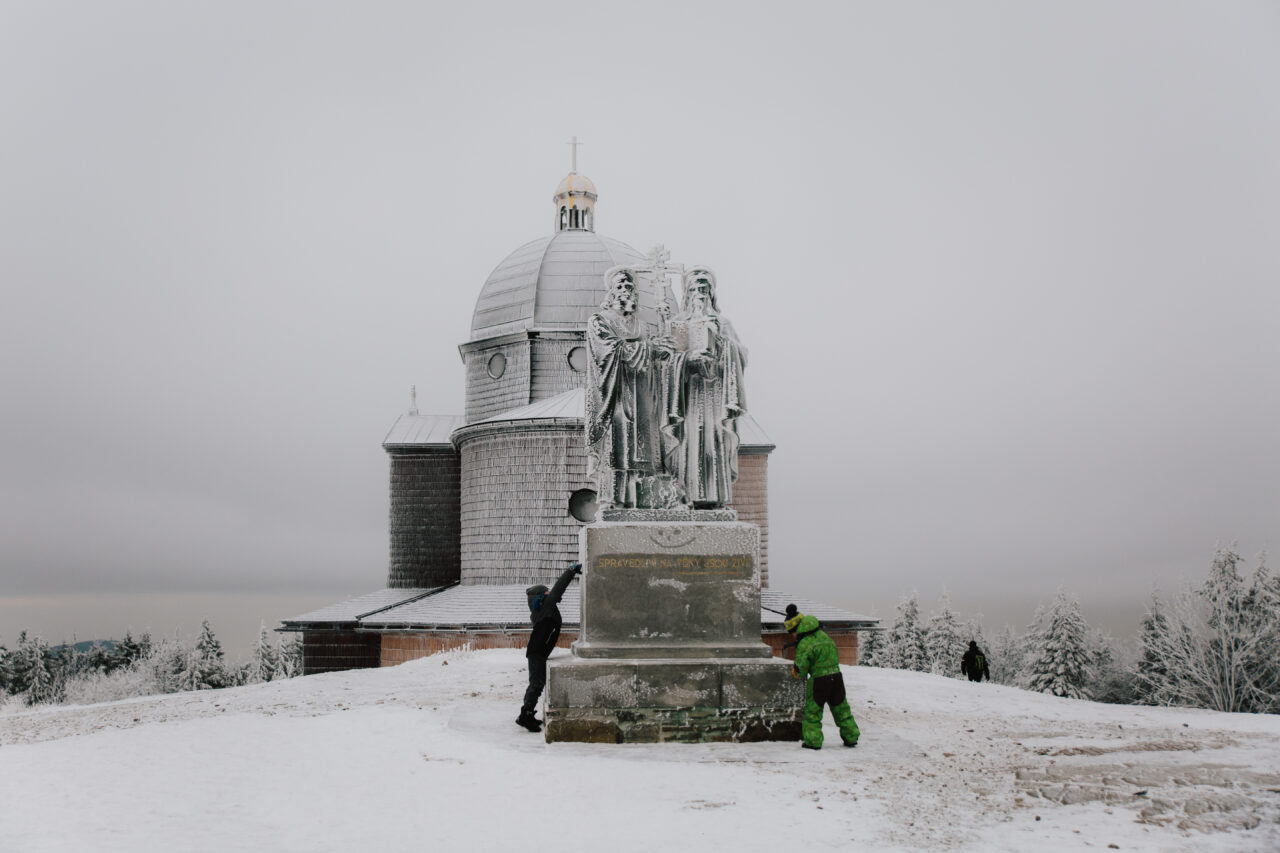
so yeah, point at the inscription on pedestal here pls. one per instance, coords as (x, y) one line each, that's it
(699, 566)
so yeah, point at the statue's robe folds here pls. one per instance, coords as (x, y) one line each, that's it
(712, 398)
(626, 394)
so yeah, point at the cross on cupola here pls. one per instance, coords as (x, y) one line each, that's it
(575, 198)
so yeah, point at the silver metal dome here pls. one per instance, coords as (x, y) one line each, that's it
(554, 284)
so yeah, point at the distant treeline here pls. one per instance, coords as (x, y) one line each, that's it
(103, 671)
(1216, 645)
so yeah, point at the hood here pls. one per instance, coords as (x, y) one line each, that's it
(534, 593)
(807, 625)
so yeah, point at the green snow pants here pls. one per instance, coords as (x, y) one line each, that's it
(827, 690)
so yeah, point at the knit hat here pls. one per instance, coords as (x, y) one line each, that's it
(792, 611)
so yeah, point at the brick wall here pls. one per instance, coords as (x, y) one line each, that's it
(487, 396)
(424, 524)
(398, 648)
(516, 482)
(751, 500)
(334, 651)
(846, 640)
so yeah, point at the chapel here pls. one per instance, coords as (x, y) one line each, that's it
(488, 501)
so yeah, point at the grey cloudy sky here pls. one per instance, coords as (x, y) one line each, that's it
(1007, 272)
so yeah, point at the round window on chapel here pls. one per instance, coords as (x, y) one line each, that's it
(578, 359)
(582, 505)
(497, 365)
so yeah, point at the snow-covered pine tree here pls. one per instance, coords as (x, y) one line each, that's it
(40, 680)
(127, 650)
(6, 671)
(904, 647)
(266, 659)
(207, 669)
(1062, 655)
(1152, 675)
(291, 656)
(870, 644)
(944, 640)
(1005, 656)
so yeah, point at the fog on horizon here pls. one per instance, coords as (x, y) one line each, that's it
(1007, 276)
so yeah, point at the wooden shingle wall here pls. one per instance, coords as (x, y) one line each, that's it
(424, 524)
(551, 374)
(487, 396)
(334, 651)
(516, 482)
(751, 500)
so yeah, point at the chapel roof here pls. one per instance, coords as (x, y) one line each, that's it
(554, 283)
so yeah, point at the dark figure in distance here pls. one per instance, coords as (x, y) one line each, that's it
(818, 662)
(545, 616)
(974, 663)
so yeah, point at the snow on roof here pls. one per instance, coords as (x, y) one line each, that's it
(362, 605)
(571, 405)
(473, 604)
(554, 282)
(773, 604)
(506, 605)
(421, 430)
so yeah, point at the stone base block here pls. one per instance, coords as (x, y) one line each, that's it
(681, 701)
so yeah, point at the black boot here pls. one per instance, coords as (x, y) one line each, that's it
(529, 721)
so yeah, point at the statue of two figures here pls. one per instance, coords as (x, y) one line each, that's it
(663, 402)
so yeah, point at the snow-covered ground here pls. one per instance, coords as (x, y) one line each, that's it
(425, 756)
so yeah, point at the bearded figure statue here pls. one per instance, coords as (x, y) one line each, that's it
(712, 396)
(629, 390)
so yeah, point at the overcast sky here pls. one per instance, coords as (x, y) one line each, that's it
(1007, 274)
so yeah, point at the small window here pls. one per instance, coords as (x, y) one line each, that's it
(497, 365)
(578, 359)
(582, 505)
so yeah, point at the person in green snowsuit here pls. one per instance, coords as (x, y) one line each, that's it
(818, 662)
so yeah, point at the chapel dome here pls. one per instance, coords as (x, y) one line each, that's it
(554, 283)
(575, 183)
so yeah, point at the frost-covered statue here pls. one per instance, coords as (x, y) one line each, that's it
(712, 397)
(630, 390)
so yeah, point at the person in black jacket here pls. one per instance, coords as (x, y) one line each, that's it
(545, 616)
(974, 663)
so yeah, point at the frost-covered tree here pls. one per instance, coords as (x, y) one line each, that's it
(1061, 649)
(1005, 656)
(1219, 644)
(1151, 672)
(904, 648)
(207, 669)
(870, 646)
(41, 685)
(266, 658)
(291, 656)
(944, 640)
(6, 671)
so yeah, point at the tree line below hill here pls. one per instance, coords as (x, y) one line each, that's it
(35, 672)
(1215, 645)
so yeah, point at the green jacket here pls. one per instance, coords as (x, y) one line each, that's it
(816, 653)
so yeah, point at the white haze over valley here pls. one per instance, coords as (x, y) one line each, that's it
(1007, 275)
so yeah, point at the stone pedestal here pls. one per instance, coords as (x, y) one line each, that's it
(670, 648)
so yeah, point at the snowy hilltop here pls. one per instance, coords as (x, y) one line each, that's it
(428, 753)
